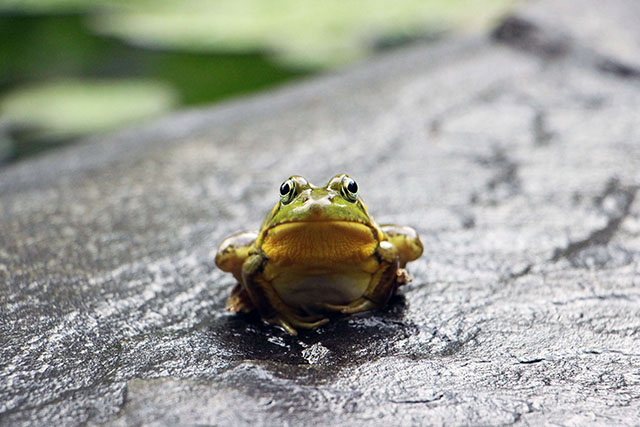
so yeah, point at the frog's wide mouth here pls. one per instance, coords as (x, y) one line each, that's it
(321, 220)
(320, 225)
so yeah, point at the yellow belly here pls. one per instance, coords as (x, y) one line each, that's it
(306, 291)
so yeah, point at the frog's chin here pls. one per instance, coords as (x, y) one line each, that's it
(319, 243)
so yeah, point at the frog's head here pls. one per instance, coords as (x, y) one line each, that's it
(308, 218)
(302, 201)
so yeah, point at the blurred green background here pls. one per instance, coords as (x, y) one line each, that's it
(73, 68)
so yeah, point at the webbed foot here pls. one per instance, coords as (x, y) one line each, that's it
(357, 306)
(239, 300)
(289, 321)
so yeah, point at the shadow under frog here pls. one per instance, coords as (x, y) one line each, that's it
(343, 342)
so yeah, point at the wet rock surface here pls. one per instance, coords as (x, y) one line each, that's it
(515, 156)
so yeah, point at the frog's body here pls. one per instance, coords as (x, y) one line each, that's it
(317, 251)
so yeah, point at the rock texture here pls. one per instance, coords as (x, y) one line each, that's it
(516, 156)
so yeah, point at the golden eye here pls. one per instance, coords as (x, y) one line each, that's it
(287, 191)
(349, 189)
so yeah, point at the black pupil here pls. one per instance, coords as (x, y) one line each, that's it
(284, 189)
(352, 187)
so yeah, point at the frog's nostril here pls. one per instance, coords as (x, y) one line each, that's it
(315, 208)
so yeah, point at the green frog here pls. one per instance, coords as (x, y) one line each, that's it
(318, 251)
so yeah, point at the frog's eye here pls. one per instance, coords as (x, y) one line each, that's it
(287, 191)
(349, 189)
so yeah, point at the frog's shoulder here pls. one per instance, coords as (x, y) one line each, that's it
(406, 241)
(233, 251)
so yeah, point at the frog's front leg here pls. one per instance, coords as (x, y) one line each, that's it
(268, 302)
(231, 254)
(382, 286)
(234, 251)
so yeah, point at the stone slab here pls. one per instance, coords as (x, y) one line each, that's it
(515, 156)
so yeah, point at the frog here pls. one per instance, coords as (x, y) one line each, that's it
(317, 253)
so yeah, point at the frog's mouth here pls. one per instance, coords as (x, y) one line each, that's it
(317, 242)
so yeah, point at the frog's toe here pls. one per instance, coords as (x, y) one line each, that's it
(239, 301)
(310, 325)
(403, 277)
(284, 324)
(290, 322)
(307, 322)
(357, 306)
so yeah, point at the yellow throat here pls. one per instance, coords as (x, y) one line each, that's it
(319, 243)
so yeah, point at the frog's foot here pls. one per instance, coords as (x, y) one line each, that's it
(289, 321)
(239, 300)
(403, 277)
(357, 306)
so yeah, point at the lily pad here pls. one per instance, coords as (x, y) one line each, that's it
(70, 108)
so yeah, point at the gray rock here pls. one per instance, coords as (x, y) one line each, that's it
(516, 157)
